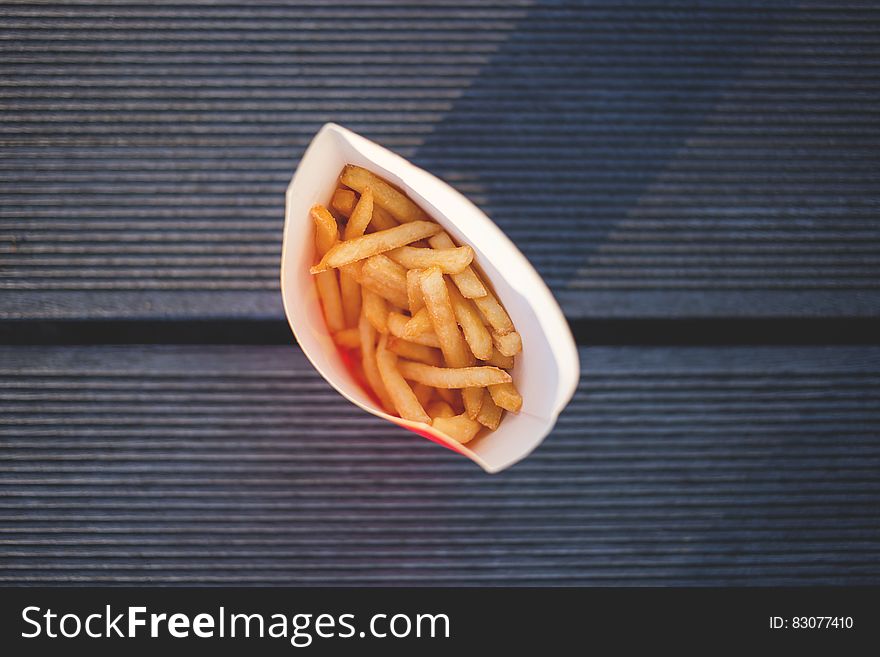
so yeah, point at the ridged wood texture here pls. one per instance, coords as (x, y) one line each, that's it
(239, 465)
(671, 159)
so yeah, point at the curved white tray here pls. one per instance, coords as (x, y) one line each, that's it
(546, 372)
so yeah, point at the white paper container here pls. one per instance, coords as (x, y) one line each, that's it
(547, 370)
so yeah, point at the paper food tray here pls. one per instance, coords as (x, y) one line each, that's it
(547, 370)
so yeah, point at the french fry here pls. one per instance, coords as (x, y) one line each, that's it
(494, 314)
(404, 399)
(444, 362)
(344, 201)
(326, 229)
(372, 244)
(475, 332)
(450, 261)
(381, 220)
(460, 427)
(506, 396)
(353, 269)
(467, 281)
(509, 344)
(349, 338)
(350, 291)
(413, 351)
(326, 235)
(331, 300)
(385, 270)
(423, 393)
(386, 278)
(360, 216)
(414, 291)
(369, 363)
(397, 325)
(440, 409)
(452, 344)
(376, 310)
(419, 323)
(490, 413)
(386, 196)
(389, 294)
(452, 377)
(500, 360)
(473, 401)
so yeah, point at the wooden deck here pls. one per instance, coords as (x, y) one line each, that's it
(694, 163)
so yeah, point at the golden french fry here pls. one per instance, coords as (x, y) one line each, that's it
(450, 261)
(326, 229)
(350, 291)
(460, 427)
(418, 324)
(413, 351)
(452, 377)
(349, 338)
(403, 397)
(360, 216)
(386, 278)
(331, 300)
(387, 271)
(452, 344)
(490, 413)
(449, 354)
(376, 310)
(476, 334)
(326, 235)
(500, 360)
(414, 291)
(494, 314)
(440, 409)
(369, 363)
(381, 220)
(473, 401)
(372, 244)
(386, 196)
(397, 326)
(423, 393)
(509, 344)
(387, 293)
(343, 202)
(506, 396)
(353, 269)
(468, 281)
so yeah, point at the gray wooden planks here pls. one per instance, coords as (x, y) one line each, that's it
(238, 465)
(652, 161)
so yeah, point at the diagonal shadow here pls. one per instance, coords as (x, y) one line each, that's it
(578, 112)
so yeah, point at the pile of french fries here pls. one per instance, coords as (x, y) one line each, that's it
(435, 344)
